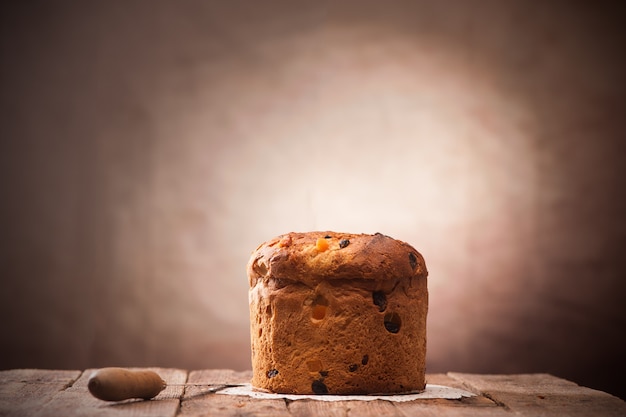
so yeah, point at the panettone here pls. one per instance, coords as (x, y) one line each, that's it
(338, 313)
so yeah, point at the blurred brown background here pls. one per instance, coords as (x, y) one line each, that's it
(148, 146)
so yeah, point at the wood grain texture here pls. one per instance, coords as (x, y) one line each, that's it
(24, 391)
(197, 403)
(306, 408)
(42, 393)
(542, 394)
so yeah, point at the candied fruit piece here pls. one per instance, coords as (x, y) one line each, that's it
(321, 244)
(318, 312)
(365, 360)
(353, 367)
(272, 373)
(413, 260)
(344, 243)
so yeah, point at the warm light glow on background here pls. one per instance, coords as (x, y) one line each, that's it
(148, 147)
(372, 132)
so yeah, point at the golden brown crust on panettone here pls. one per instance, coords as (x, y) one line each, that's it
(297, 257)
(338, 313)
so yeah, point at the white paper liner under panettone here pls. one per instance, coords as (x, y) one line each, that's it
(431, 392)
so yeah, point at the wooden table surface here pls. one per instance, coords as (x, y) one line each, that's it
(37, 392)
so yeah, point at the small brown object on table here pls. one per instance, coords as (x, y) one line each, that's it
(37, 392)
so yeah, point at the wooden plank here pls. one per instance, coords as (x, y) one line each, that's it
(308, 408)
(472, 406)
(373, 409)
(543, 394)
(77, 401)
(312, 408)
(449, 408)
(197, 402)
(24, 391)
(435, 410)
